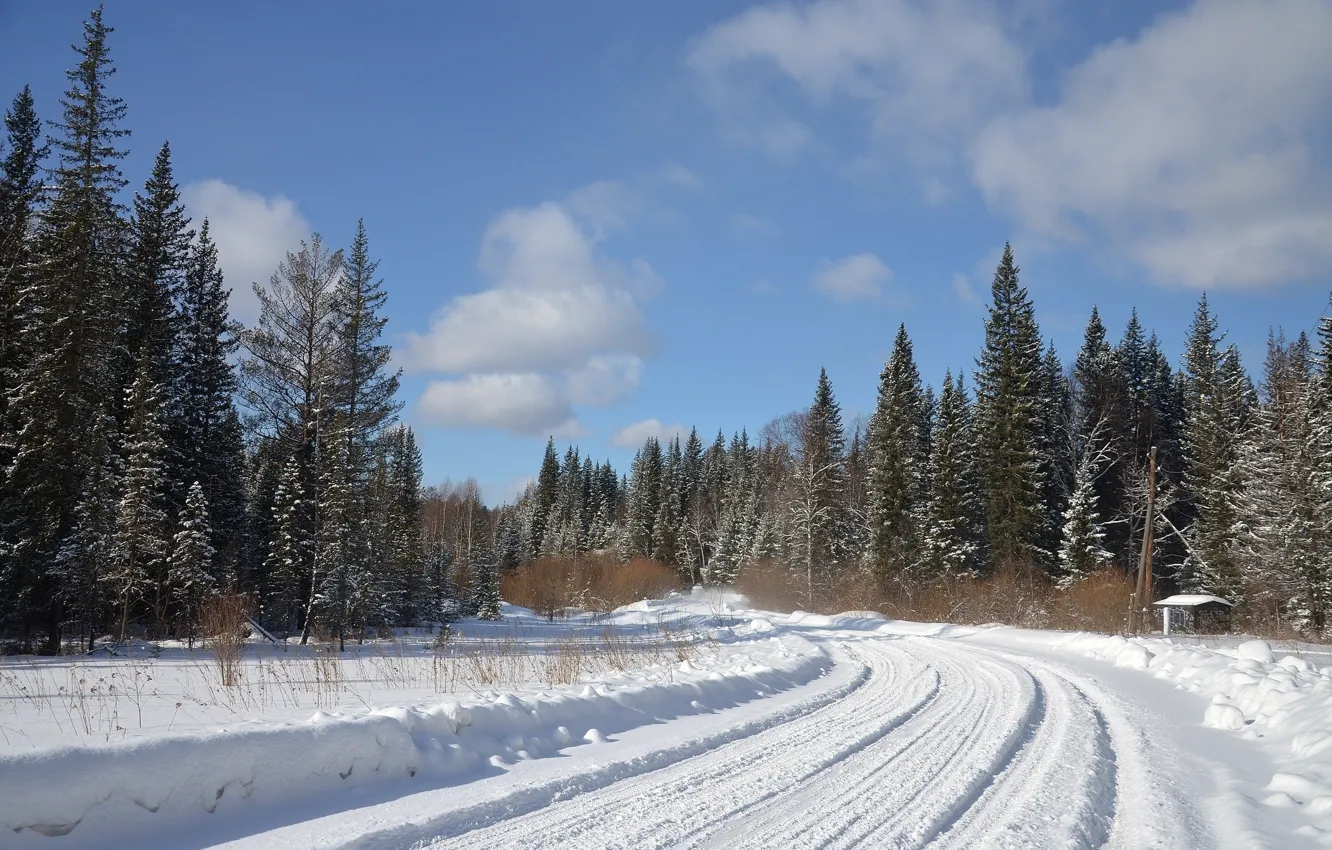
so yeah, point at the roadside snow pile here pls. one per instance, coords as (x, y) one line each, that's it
(50, 791)
(1286, 700)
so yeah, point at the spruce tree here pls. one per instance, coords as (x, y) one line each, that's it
(896, 447)
(75, 305)
(1082, 550)
(1009, 422)
(159, 249)
(547, 492)
(487, 584)
(953, 527)
(818, 512)
(20, 198)
(1102, 422)
(82, 559)
(204, 427)
(140, 542)
(190, 570)
(1212, 404)
(288, 561)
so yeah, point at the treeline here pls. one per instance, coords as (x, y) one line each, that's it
(1037, 467)
(134, 488)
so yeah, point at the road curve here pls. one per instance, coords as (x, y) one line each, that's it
(942, 745)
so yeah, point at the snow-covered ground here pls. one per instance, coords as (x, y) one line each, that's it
(687, 722)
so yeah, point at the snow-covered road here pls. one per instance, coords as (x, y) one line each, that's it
(878, 734)
(942, 745)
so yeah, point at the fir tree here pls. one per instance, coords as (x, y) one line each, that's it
(288, 558)
(896, 449)
(79, 565)
(1009, 422)
(190, 570)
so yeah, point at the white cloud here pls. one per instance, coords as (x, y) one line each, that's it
(604, 379)
(633, 436)
(605, 205)
(1195, 146)
(560, 326)
(524, 403)
(762, 286)
(253, 234)
(925, 71)
(1199, 148)
(855, 278)
(555, 305)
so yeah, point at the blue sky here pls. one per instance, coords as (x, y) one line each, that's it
(603, 219)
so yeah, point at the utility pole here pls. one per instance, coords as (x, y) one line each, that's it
(1142, 594)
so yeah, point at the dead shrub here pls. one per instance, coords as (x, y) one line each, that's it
(1098, 603)
(224, 620)
(1016, 595)
(554, 586)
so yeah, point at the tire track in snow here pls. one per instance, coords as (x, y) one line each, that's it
(658, 809)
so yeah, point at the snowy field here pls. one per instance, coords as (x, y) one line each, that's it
(687, 722)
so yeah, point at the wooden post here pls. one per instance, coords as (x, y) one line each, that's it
(1143, 589)
(1149, 536)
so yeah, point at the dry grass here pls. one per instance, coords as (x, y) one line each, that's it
(224, 622)
(555, 586)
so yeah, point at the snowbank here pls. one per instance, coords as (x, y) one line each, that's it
(1286, 700)
(50, 791)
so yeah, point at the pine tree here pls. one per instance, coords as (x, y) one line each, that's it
(954, 516)
(140, 543)
(1009, 422)
(288, 384)
(190, 570)
(896, 447)
(74, 314)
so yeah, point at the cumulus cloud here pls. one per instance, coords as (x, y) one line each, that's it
(253, 234)
(925, 71)
(526, 404)
(859, 277)
(633, 436)
(560, 326)
(1195, 145)
(1198, 148)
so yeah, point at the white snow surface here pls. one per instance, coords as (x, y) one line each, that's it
(778, 730)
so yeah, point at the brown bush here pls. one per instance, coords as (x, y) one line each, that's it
(1014, 595)
(553, 586)
(224, 620)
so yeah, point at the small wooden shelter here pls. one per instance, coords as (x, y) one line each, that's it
(1194, 612)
